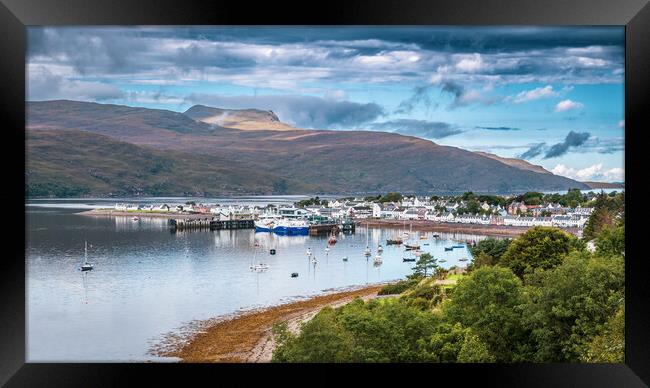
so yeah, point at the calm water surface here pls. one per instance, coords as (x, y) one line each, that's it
(148, 281)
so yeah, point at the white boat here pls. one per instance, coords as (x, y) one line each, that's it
(86, 266)
(135, 218)
(327, 249)
(367, 251)
(309, 252)
(378, 259)
(380, 248)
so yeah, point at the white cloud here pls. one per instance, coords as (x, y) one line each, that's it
(534, 94)
(566, 105)
(470, 63)
(594, 172)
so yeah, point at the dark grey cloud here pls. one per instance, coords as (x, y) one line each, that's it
(533, 151)
(573, 139)
(513, 54)
(43, 85)
(301, 111)
(420, 96)
(500, 128)
(419, 128)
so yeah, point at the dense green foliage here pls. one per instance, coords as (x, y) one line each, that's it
(312, 201)
(391, 197)
(488, 302)
(488, 252)
(566, 305)
(608, 346)
(399, 287)
(608, 211)
(570, 304)
(540, 247)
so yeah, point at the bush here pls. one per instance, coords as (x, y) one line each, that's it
(398, 288)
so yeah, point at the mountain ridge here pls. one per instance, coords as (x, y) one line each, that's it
(321, 161)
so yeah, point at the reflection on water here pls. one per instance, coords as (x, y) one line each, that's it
(148, 281)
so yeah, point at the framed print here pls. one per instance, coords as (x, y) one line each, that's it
(430, 186)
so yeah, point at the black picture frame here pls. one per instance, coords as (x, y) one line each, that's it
(15, 15)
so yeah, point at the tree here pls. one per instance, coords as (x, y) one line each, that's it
(608, 346)
(391, 197)
(489, 251)
(570, 304)
(321, 340)
(425, 264)
(487, 301)
(474, 350)
(540, 247)
(607, 212)
(611, 241)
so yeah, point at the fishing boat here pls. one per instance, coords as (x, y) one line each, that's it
(425, 244)
(292, 227)
(411, 247)
(266, 223)
(345, 258)
(449, 248)
(435, 235)
(458, 246)
(408, 259)
(86, 266)
(395, 241)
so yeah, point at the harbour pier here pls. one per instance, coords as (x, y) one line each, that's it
(209, 223)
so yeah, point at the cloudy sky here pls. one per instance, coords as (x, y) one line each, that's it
(551, 95)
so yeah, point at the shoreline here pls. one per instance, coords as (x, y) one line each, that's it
(245, 337)
(449, 227)
(121, 213)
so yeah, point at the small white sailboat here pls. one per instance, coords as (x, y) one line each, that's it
(309, 252)
(378, 259)
(86, 266)
(367, 251)
(327, 249)
(259, 267)
(380, 249)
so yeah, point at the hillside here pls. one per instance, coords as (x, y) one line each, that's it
(246, 119)
(518, 163)
(265, 160)
(77, 163)
(605, 185)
